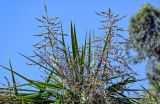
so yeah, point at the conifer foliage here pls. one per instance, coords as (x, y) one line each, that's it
(144, 32)
(144, 39)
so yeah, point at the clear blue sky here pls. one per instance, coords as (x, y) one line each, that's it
(18, 24)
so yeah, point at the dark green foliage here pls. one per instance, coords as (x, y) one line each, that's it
(144, 32)
(153, 73)
(144, 39)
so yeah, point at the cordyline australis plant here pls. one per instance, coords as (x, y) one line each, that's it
(95, 73)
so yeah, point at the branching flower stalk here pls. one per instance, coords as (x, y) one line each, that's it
(96, 73)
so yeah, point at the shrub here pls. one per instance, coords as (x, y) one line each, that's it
(95, 73)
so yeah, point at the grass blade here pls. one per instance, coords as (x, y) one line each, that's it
(13, 80)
